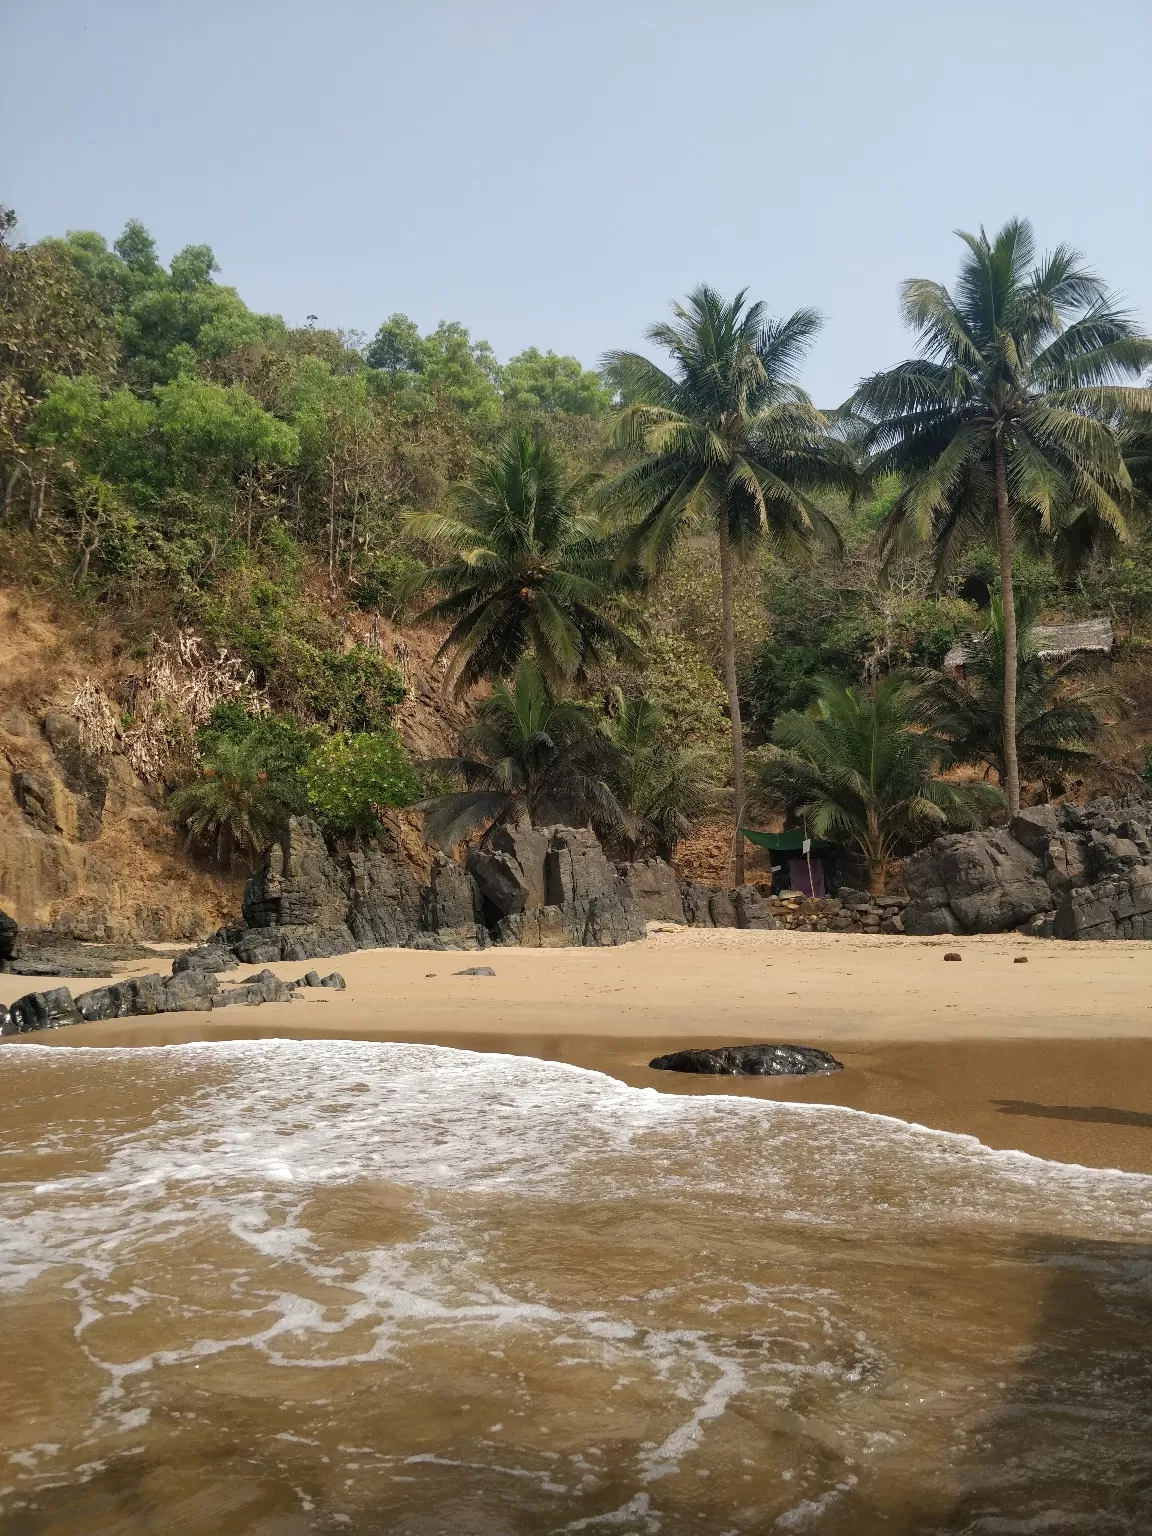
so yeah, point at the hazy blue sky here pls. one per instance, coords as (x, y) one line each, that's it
(555, 173)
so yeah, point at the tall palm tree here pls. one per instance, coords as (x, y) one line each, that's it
(1012, 407)
(529, 757)
(725, 442)
(525, 567)
(860, 768)
(1059, 710)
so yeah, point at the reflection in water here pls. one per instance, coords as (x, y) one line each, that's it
(281, 1287)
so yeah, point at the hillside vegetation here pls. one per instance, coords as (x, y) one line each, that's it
(286, 562)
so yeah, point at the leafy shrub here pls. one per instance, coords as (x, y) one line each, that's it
(233, 802)
(282, 746)
(352, 779)
(379, 586)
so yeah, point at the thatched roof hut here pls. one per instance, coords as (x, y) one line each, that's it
(1051, 642)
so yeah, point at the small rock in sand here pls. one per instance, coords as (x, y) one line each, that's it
(476, 970)
(952, 955)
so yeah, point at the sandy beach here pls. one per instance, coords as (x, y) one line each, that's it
(1051, 1057)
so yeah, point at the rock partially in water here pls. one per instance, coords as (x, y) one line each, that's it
(750, 1061)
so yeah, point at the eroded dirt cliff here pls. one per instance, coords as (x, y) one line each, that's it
(86, 846)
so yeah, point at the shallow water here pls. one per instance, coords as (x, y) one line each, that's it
(284, 1287)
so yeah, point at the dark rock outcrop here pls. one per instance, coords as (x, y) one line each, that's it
(538, 886)
(81, 772)
(264, 987)
(696, 897)
(750, 1061)
(547, 887)
(384, 901)
(655, 888)
(214, 956)
(189, 991)
(9, 940)
(1071, 871)
(451, 910)
(185, 992)
(40, 1010)
(45, 952)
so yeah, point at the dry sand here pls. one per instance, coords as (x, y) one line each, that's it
(1052, 1057)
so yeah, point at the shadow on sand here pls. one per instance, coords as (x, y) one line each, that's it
(1092, 1114)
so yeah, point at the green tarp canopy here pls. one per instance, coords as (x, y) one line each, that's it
(790, 841)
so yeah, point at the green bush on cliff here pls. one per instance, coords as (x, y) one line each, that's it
(233, 803)
(351, 779)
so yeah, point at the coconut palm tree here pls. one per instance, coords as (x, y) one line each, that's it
(1011, 410)
(1059, 710)
(233, 802)
(860, 768)
(529, 757)
(660, 783)
(524, 567)
(726, 442)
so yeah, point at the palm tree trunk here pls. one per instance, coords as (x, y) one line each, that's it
(1008, 602)
(727, 608)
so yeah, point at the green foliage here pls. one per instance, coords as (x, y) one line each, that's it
(530, 756)
(384, 580)
(727, 440)
(541, 381)
(526, 567)
(860, 769)
(681, 683)
(352, 779)
(1061, 710)
(278, 742)
(1029, 357)
(1011, 414)
(840, 620)
(51, 322)
(447, 360)
(167, 322)
(212, 432)
(233, 802)
(660, 784)
(360, 690)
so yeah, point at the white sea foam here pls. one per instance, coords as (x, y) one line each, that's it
(244, 1136)
(306, 1113)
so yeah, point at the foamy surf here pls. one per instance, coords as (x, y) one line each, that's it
(390, 1285)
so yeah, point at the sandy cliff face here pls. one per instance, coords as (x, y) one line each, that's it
(85, 844)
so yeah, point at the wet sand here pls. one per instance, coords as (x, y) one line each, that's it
(1052, 1057)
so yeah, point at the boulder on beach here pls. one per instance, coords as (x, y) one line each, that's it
(750, 1061)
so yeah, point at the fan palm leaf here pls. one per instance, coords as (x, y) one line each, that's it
(860, 769)
(524, 568)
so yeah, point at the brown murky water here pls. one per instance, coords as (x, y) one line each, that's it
(293, 1287)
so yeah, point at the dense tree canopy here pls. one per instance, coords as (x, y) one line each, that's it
(1012, 406)
(621, 553)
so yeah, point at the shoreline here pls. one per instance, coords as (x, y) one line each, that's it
(1052, 1058)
